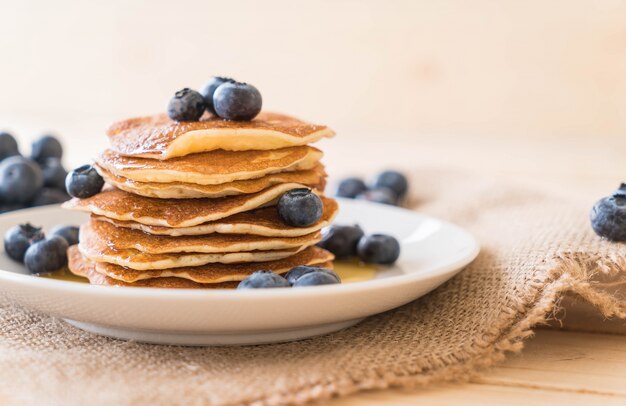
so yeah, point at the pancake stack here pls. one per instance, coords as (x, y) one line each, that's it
(193, 204)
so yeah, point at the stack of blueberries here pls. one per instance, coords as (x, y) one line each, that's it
(34, 181)
(388, 187)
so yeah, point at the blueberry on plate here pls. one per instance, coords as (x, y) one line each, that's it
(379, 195)
(350, 188)
(17, 240)
(608, 216)
(84, 182)
(209, 90)
(316, 278)
(341, 240)
(48, 196)
(237, 101)
(393, 180)
(53, 173)
(20, 179)
(7, 207)
(378, 249)
(69, 233)
(8, 145)
(263, 279)
(300, 207)
(298, 272)
(46, 147)
(47, 255)
(186, 105)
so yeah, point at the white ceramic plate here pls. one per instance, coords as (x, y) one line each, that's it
(432, 252)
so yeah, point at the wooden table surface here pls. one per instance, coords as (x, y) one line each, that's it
(556, 366)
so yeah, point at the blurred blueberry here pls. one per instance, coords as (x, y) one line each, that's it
(53, 173)
(300, 207)
(237, 101)
(316, 278)
(608, 216)
(186, 105)
(378, 249)
(47, 255)
(263, 279)
(209, 90)
(7, 207)
(380, 195)
(341, 240)
(350, 188)
(8, 146)
(48, 196)
(20, 180)
(393, 180)
(17, 240)
(46, 147)
(69, 233)
(84, 182)
(296, 273)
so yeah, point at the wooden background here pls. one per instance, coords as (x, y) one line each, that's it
(525, 68)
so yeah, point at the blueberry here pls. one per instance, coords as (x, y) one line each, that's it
(209, 89)
(47, 255)
(296, 273)
(17, 240)
(316, 278)
(20, 179)
(608, 216)
(84, 182)
(69, 233)
(46, 147)
(341, 240)
(237, 101)
(263, 279)
(300, 207)
(7, 207)
(378, 249)
(393, 180)
(186, 105)
(53, 173)
(48, 196)
(379, 195)
(8, 145)
(350, 188)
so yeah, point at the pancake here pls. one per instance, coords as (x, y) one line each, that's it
(314, 178)
(99, 233)
(263, 221)
(159, 137)
(142, 261)
(217, 273)
(120, 205)
(211, 168)
(81, 266)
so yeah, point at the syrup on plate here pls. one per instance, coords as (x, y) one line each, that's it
(349, 271)
(354, 271)
(64, 275)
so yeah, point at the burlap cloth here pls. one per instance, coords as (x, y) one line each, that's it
(535, 248)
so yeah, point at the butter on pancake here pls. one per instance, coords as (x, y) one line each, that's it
(263, 221)
(98, 233)
(211, 168)
(81, 266)
(217, 273)
(159, 137)
(314, 178)
(120, 205)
